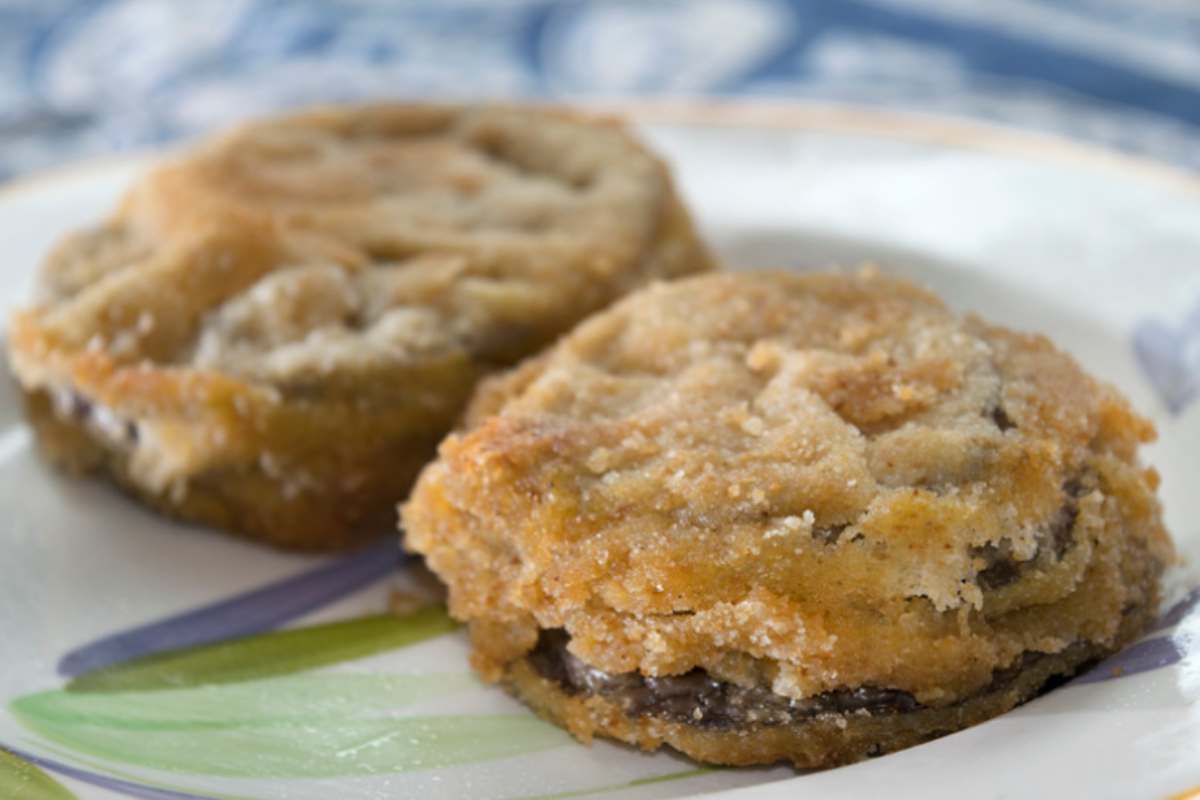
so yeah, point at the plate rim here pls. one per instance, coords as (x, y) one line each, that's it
(751, 113)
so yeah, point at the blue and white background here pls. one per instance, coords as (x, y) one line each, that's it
(84, 77)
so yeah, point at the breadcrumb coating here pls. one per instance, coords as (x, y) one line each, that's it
(290, 316)
(798, 482)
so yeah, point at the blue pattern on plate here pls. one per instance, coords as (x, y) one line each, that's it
(80, 77)
(1170, 358)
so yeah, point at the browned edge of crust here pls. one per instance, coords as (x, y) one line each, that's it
(246, 501)
(827, 740)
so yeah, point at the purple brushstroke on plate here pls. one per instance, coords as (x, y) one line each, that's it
(1178, 611)
(1148, 654)
(128, 788)
(1170, 357)
(241, 615)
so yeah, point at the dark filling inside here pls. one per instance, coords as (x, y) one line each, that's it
(1001, 419)
(1003, 569)
(75, 407)
(829, 534)
(696, 697)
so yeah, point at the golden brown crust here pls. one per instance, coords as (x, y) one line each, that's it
(294, 313)
(249, 499)
(805, 483)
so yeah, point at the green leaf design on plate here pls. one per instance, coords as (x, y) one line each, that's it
(20, 780)
(302, 698)
(317, 726)
(274, 653)
(234, 709)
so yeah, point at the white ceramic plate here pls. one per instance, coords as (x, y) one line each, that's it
(1101, 253)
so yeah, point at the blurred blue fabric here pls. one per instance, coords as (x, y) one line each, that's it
(81, 77)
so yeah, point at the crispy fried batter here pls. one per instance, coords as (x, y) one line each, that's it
(804, 484)
(274, 330)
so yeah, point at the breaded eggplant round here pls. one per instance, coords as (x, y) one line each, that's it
(768, 517)
(274, 330)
